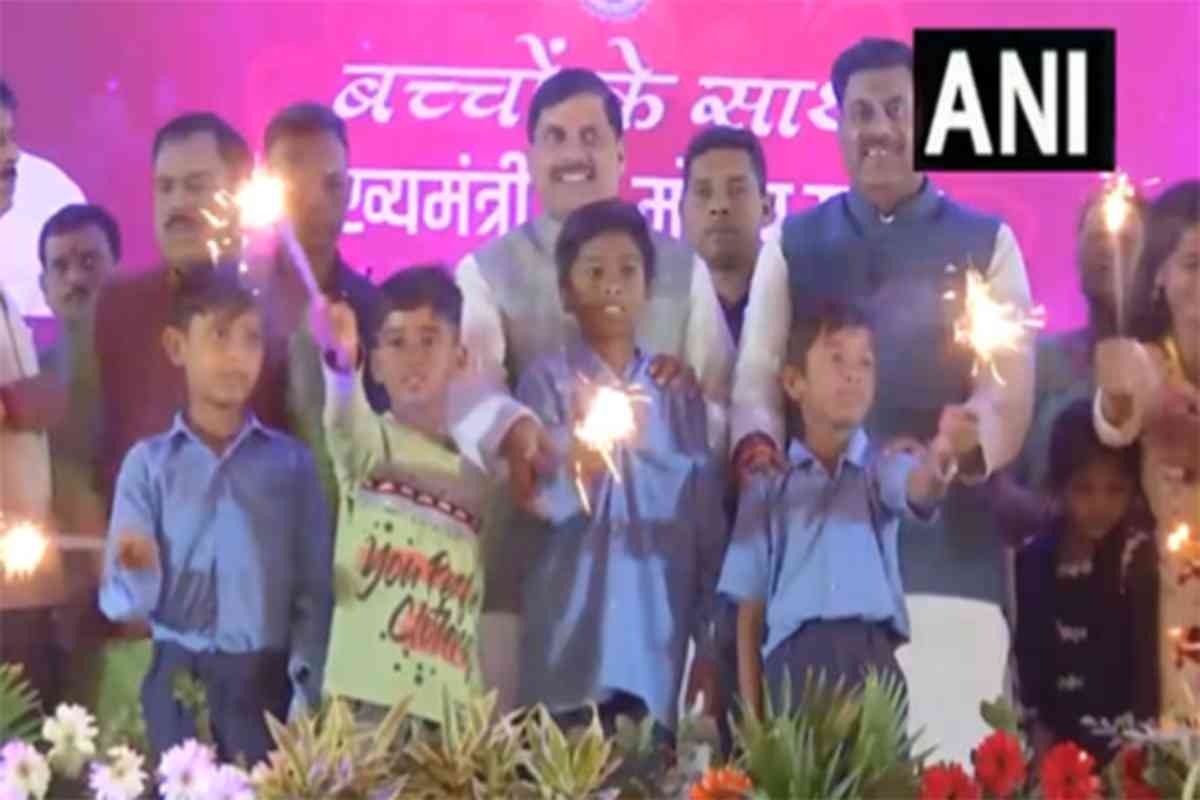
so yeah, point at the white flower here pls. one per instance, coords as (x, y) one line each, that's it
(121, 779)
(229, 783)
(186, 771)
(71, 733)
(24, 770)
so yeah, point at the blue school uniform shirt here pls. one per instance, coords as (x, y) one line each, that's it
(815, 546)
(614, 596)
(244, 543)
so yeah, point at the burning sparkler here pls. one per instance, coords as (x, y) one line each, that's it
(609, 422)
(24, 545)
(988, 326)
(261, 204)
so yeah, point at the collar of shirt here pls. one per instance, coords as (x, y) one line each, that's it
(181, 430)
(545, 232)
(855, 453)
(583, 360)
(921, 206)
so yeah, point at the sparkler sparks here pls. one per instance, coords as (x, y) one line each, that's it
(22, 548)
(989, 327)
(1178, 538)
(608, 422)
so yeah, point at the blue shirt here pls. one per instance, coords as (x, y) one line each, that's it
(819, 547)
(614, 596)
(244, 543)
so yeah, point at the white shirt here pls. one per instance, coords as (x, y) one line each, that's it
(42, 189)
(1005, 408)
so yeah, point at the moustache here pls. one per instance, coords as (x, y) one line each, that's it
(78, 293)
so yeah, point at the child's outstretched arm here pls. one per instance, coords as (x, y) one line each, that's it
(351, 427)
(312, 601)
(556, 497)
(958, 437)
(132, 578)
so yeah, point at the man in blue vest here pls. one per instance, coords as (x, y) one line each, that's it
(886, 244)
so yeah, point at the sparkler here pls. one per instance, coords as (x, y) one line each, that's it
(261, 205)
(609, 422)
(24, 545)
(989, 327)
(1119, 194)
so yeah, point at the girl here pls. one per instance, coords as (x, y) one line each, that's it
(1087, 594)
(1148, 393)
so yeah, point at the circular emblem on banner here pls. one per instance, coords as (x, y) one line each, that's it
(616, 10)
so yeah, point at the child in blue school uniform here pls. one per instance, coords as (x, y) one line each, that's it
(628, 575)
(813, 560)
(220, 538)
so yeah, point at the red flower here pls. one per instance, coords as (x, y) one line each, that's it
(1068, 773)
(948, 782)
(722, 784)
(1000, 764)
(1133, 770)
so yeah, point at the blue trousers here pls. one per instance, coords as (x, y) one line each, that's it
(241, 688)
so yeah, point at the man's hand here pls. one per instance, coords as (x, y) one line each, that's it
(704, 680)
(335, 329)
(137, 552)
(671, 373)
(528, 451)
(756, 453)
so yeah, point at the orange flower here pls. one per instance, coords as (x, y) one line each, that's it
(1000, 764)
(722, 784)
(1068, 773)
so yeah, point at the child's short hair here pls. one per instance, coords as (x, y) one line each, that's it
(426, 286)
(823, 317)
(204, 290)
(1074, 444)
(603, 216)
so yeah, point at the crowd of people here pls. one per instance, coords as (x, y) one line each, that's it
(817, 480)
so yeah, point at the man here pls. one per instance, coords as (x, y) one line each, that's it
(44, 189)
(725, 207)
(885, 243)
(27, 405)
(195, 156)
(79, 248)
(1105, 264)
(513, 313)
(306, 145)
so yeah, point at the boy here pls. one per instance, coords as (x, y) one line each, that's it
(814, 550)
(628, 574)
(220, 537)
(409, 582)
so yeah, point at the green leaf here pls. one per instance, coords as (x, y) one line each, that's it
(20, 706)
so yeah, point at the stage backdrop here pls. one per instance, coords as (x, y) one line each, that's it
(435, 92)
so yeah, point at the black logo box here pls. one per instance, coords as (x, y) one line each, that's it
(931, 54)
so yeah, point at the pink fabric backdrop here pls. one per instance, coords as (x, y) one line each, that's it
(95, 80)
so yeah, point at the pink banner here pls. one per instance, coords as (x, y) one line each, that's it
(435, 92)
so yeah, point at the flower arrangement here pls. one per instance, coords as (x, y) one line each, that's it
(844, 744)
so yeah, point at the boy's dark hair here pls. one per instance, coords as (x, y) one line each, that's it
(205, 290)
(869, 53)
(230, 144)
(426, 286)
(724, 137)
(1074, 444)
(823, 317)
(8, 99)
(1174, 212)
(567, 83)
(603, 216)
(301, 119)
(78, 216)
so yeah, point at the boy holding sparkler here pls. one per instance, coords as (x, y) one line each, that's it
(220, 537)
(408, 576)
(813, 561)
(635, 509)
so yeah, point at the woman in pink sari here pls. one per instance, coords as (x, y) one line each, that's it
(1148, 390)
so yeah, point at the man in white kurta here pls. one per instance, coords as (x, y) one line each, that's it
(513, 313)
